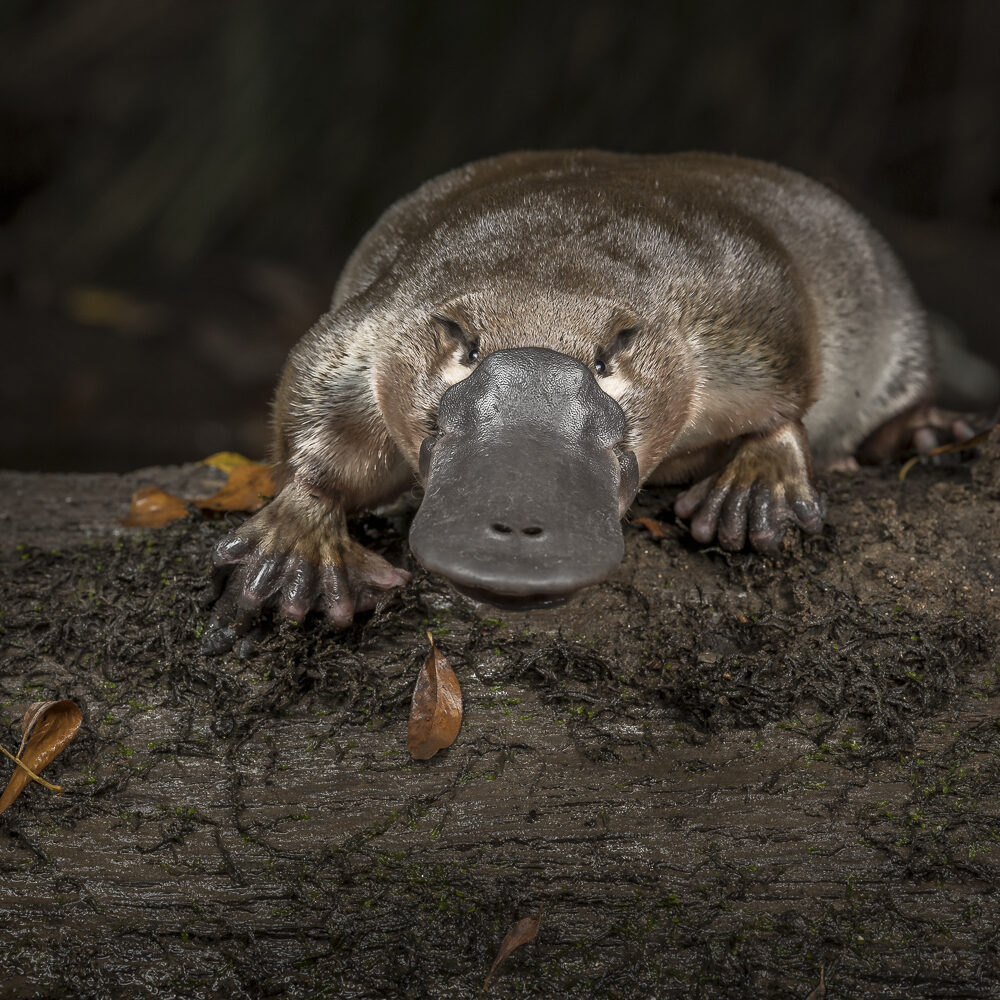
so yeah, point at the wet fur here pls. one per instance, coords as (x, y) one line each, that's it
(745, 318)
(761, 297)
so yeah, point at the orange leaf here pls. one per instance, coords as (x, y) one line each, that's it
(226, 460)
(436, 709)
(652, 526)
(152, 508)
(248, 488)
(48, 728)
(521, 933)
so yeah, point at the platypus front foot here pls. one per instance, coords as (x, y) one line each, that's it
(766, 487)
(294, 556)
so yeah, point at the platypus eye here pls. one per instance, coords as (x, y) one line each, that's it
(456, 336)
(606, 352)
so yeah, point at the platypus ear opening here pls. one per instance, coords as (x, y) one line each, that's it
(451, 332)
(623, 339)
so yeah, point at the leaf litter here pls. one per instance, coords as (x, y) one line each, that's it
(436, 708)
(248, 487)
(47, 729)
(521, 933)
(153, 508)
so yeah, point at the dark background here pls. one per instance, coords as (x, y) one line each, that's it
(181, 181)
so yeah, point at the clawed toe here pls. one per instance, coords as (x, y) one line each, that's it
(250, 578)
(231, 548)
(732, 526)
(766, 488)
(226, 624)
(809, 514)
(758, 513)
(691, 499)
(300, 592)
(261, 580)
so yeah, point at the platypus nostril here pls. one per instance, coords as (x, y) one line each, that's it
(533, 530)
(501, 529)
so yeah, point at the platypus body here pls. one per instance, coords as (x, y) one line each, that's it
(538, 334)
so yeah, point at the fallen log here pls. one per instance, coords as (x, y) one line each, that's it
(719, 774)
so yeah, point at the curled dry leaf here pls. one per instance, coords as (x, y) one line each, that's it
(436, 709)
(248, 488)
(153, 508)
(47, 729)
(652, 526)
(521, 933)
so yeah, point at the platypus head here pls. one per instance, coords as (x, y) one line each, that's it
(526, 481)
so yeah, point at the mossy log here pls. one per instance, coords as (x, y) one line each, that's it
(719, 773)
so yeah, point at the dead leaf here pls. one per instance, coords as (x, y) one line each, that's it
(820, 992)
(109, 307)
(654, 527)
(436, 709)
(227, 460)
(153, 508)
(521, 933)
(248, 488)
(47, 729)
(944, 449)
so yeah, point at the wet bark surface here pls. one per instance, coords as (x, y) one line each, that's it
(719, 773)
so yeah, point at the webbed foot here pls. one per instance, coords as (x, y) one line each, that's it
(921, 430)
(944, 427)
(766, 487)
(294, 556)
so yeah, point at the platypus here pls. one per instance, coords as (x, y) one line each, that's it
(536, 335)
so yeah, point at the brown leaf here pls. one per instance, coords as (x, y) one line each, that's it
(652, 526)
(521, 933)
(248, 488)
(436, 709)
(48, 728)
(152, 508)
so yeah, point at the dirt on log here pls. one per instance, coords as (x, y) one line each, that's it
(719, 774)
